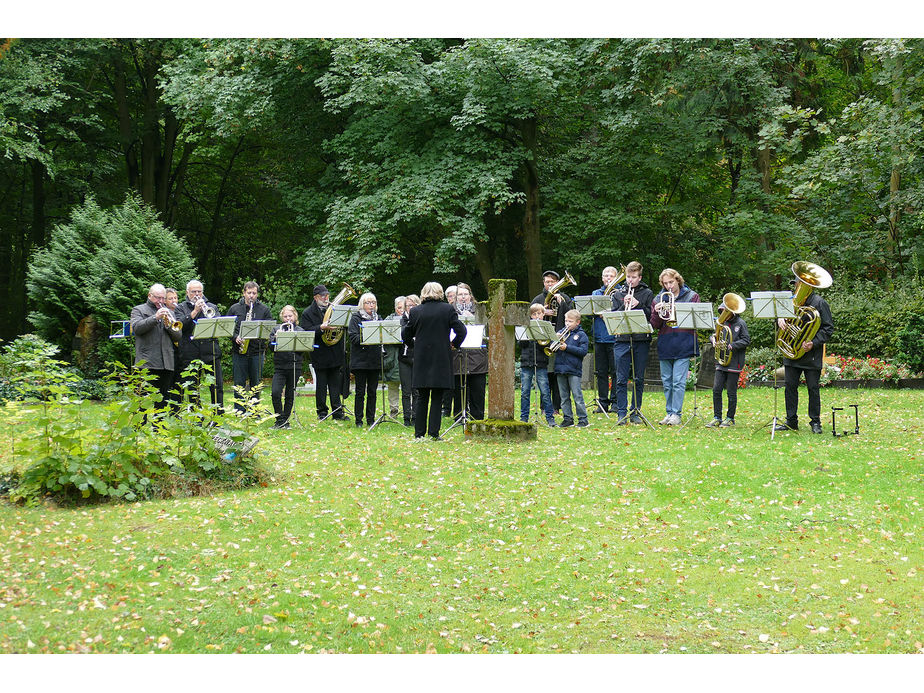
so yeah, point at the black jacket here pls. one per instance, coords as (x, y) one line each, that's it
(532, 355)
(260, 312)
(739, 344)
(323, 356)
(286, 360)
(812, 360)
(206, 350)
(644, 296)
(363, 357)
(563, 307)
(428, 330)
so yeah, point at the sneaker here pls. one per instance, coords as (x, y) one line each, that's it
(583, 424)
(665, 421)
(785, 427)
(566, 423)
(715, 423)
(675, 420)
(727, 423)
(816, 427)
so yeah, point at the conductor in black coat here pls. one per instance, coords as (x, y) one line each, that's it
(427, 330)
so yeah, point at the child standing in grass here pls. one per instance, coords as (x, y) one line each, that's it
(569, 360)
(726, 377)
(534, 363)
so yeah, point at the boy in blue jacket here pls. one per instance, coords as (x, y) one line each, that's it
(569, 358)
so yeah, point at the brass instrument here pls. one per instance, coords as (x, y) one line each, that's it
(287, 327)
(245, 344)
(630, 293)
(558, 342)
(550, 301)
(170, 321)
(207, 311)
(667, 312)
(804, 327)
(619, 279)
(732, 304)
(331, 337)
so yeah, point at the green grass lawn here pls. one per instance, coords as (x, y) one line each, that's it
(598, 540)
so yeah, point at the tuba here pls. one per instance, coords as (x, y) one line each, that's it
(617, 280)
(804, 327)
(732, 304)
(331, 337)
(667, 312)
(550, 301)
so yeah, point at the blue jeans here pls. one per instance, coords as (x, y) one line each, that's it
(674, 378)
(624, 359)
(570, 386)
(541, 376)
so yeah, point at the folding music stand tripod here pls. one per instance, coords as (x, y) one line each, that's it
(213, 328)
(773, 305)
(595, 305)
(381, 332)
(292, 340)
(473, 340)
(694, 316)
(630, 322)
(257, 329)
(340, 317)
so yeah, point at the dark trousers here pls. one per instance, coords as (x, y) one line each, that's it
(283, 384)
(556, 395)
(367, 380)
(163, 379)
(475, 385)
(328, 383)
(626, 354)
(605, 362)
(728, 382)
(408, 393)
(424, 423)
(452, 400)
(246, 371)
(216, 389)
(812, 384)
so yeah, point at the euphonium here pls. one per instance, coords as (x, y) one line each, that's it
(617, 280)
(804, 327)
(667, 312)
(732, 304)
(246, 343)
(557, 343)
(331, 337)
(550, 301)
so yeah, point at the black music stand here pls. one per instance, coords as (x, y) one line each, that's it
(213, 328)
(293, 340)
(630, 322)
(773, 305)
(595, 305)
(380, 333)
(473, 340)
(694, 316)
(537, 331)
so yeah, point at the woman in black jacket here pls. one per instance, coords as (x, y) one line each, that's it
(288, 367)
(427, 332)
(365, 361)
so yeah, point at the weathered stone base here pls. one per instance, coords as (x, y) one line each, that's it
(501, 429)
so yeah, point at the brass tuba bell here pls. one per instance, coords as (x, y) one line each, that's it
(732, 304)
(550, 301)
(331, 337)
(804, 327)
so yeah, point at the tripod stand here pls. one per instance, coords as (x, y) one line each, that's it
(773, 305)
(382, 332)
(473, 340)
(694, 316)
(295, 340)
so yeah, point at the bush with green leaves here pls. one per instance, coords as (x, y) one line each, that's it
(911, 342)
(29, 369)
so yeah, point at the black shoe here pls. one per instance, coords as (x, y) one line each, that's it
(784, 427)
(408, 423)
(359, 424)
(566, 423)
(623, 421)
(816, 427)
(636, 419)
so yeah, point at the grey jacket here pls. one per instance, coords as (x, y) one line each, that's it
(153, 341)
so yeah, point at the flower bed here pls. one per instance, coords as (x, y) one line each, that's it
(840, 371)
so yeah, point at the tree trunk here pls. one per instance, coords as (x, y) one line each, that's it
(484, 262)
(531, 237)
(895, 179)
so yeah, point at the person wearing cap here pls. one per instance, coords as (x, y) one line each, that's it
(327, 359)
(549, 279)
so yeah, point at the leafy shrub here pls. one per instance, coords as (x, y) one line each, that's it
(911, 342)
(30, 370)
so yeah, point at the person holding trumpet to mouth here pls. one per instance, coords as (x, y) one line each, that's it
(155, 328)
(208, 351)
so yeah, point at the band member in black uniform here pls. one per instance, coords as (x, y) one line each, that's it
(365, 361)
(631, 350)
(549, 279)
(809, 364)
(726, 375)
(428, 330)
(288, 369)
(469, 366)
(206, 350)
(247, 367)
(326, 359)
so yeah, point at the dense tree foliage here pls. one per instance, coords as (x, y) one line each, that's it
(387, 162)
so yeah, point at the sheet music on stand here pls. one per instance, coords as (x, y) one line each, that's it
(519, 333)
(380, 332)
(540, 331)
(694, 316)
(292, 340)
(772, 304)
(210, 328)
(593, 305)
(120, 329)
(626, 322)
(467, 319)
(474, 337)
(340, 315)
(255, 329)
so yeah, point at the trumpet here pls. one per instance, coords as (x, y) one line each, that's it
(287, 327)
(557, 343)
(666, 312)
(170, 321)
(630, 294)
(206, 310)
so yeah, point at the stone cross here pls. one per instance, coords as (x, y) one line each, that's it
(503, 315)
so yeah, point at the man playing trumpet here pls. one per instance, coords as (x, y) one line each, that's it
(208, 351)
(154, 329)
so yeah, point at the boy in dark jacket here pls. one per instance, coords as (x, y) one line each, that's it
(534, 363)
(726, 377)
(569, 358)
